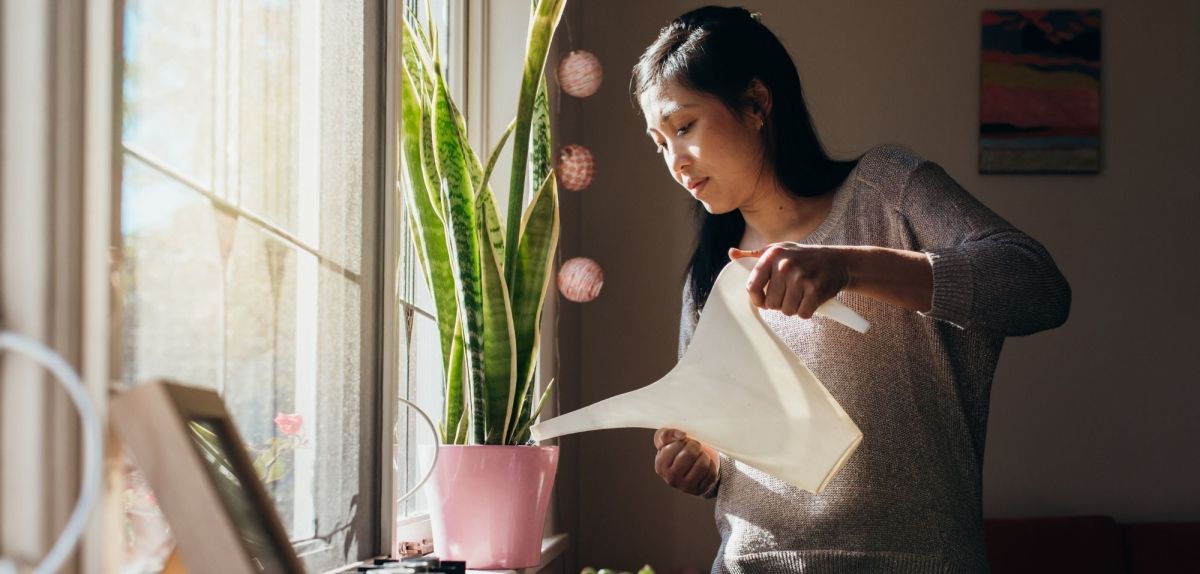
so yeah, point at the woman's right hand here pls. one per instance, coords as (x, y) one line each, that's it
(685, 463)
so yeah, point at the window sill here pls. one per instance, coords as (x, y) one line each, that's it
(552, 547)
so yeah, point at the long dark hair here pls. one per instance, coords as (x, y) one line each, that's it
(721, 51)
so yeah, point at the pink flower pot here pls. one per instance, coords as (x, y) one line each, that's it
(488, 503)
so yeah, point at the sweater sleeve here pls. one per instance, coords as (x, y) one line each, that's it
(986, 273)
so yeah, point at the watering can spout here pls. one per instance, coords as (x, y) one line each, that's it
(741, 390)
(620, 411)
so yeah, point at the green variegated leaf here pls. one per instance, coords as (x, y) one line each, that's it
(431, 40)
(413, 20)
(419, 68)
(499, 352)
(429, 162)
(490, 216)
(460, 434)
(416, 61)
(521, 435)
(455, 392)
(541, 31)
(459, 212)
(539, 155)
(540, 161)
(499, 346)
(473, 162)
(535, 257)
(428, 228)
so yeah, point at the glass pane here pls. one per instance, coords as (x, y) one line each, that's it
(169, 55)
(425, 388)
(337, 397)
(300, 121)
(268, 68)
(413, 288)
(341, 119)
(259, 104)
(260, 344)
(171, 280)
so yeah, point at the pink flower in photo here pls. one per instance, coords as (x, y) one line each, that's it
(289, 425)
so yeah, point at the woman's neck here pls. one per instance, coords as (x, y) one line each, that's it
(780, 216)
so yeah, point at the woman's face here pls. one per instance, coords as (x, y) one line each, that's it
(715, 154)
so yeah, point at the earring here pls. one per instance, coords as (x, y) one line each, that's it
(760, 123)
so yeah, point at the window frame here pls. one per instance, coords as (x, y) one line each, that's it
(377, 374)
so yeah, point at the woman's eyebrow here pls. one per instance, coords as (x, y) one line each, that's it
(672, 108)
(668, 110)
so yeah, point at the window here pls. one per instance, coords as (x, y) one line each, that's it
(252, 247)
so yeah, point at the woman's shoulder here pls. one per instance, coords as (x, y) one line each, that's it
(888, 165)
(886, 171)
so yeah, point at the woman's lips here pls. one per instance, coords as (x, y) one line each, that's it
(696, 186)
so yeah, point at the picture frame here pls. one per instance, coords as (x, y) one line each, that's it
(187, 446)
(1040, 92)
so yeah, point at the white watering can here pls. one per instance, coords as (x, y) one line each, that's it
(740, 390)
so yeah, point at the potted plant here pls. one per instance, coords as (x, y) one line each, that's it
(489, 490)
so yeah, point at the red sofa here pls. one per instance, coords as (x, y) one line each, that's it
(1091, 544)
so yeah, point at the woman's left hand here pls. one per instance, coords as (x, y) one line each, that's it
(794, 278)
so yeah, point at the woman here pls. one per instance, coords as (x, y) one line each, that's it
(941, 278)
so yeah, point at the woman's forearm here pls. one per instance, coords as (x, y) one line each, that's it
(895, 276)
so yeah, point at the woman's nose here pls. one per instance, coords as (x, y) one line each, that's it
(679, 160)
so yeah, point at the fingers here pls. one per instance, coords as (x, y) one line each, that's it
(793, 279)
(809, 304)
(757, 282)
(701, 475)
(792, 299)
(735, 253)
(785, 283)
(685, 464)
(665, 435)
(665, 458)
(776, 289)
(684, 459)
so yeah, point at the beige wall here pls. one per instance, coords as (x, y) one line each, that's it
(1095, 417)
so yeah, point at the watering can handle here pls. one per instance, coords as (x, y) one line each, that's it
(838, 311)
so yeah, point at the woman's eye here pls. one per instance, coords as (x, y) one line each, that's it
(683, 130)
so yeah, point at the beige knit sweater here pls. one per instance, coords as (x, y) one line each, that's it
(917, 385)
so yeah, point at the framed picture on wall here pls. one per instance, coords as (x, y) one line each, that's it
(1039, 104)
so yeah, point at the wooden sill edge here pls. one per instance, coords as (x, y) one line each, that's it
(552, 547)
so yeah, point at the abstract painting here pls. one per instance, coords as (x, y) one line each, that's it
(1039, 104)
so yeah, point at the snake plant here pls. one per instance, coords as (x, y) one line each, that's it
(488, 282)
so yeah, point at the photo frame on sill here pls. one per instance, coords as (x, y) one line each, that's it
(186, 444)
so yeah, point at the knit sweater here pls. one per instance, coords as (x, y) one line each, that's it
(916, 384)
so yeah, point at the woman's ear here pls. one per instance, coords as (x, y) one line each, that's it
(759, 98)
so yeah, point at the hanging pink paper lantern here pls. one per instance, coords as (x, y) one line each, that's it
(580, 279)
(580, 73)
(576, 167)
